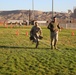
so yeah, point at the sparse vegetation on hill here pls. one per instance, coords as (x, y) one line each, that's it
(38, 15)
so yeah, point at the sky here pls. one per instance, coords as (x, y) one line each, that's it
(41, 5)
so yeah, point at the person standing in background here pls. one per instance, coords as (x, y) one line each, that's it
(54, 28)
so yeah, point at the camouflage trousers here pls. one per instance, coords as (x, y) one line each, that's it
(35, 39)
(54, 39)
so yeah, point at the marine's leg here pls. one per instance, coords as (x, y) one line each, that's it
(37, 43)
(56, 40)
(52, 46)
(52, 40)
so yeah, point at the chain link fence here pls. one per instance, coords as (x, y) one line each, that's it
(68, 26)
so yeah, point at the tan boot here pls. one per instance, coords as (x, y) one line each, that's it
(52, 47)
(56, 47)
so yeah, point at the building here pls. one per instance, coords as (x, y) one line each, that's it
(15, 21)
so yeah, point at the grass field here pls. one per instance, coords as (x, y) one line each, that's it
(18, 55)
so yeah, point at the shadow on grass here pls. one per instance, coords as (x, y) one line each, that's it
(11, 47)
(17, 47)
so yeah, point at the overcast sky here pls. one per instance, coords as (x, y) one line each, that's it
(42, 5)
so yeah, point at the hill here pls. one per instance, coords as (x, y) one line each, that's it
(28, 14)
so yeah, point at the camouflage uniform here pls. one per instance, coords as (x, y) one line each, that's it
(35, 32)
(53, 26)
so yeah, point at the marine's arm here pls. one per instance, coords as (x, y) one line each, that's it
(59, 27)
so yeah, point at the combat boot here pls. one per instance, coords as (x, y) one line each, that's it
(52, 47)
(56, 47)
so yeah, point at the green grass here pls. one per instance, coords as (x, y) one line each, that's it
(18, 55)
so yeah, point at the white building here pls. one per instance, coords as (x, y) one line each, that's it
(15, 21)
(41, 22)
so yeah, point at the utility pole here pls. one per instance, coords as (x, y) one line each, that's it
(29, 16)
(33, 9)
(52, 9)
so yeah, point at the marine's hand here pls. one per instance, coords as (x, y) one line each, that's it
(59, 29)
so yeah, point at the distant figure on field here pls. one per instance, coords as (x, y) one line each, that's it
(36, 34)
(54, 26)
